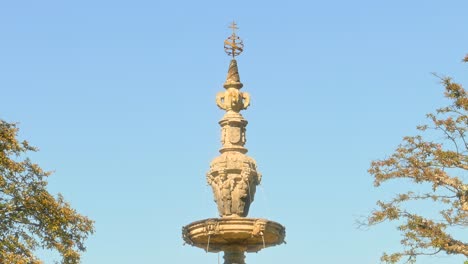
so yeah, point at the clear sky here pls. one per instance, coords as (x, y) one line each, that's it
(119, 97)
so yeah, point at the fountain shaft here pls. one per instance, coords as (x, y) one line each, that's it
(234, 257)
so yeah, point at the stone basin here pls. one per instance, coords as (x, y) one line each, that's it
(236, 233)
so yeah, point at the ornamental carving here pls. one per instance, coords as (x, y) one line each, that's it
(233, 177)
(259, 227)
(233, 100)
(233, 132)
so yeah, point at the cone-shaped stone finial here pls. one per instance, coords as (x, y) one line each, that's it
(233, 78)
(233, 100)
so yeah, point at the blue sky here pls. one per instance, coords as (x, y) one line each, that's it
(119, 97)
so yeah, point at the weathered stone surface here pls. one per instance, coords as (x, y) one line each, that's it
(233, 177)
(234, 234)
(234, 257)
(233, 129)
(233, 99)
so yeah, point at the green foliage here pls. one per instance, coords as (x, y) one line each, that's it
(30, 217)
(440, 164)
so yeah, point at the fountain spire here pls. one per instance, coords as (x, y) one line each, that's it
(233, 177)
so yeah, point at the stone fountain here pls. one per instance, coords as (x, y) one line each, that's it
(233, 176)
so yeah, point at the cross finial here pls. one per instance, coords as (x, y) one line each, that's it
(233, 45)
(234, 27)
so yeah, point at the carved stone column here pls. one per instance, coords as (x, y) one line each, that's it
(233, 132)
(234, 257)
(233, 175)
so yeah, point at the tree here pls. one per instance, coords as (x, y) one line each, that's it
(437, 160)
(30, 217)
